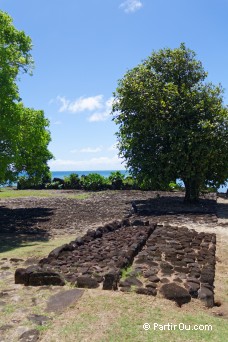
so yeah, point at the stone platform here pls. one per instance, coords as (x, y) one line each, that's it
(177, 262)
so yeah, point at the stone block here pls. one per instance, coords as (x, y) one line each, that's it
(174, 292)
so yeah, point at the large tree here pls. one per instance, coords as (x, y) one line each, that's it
(23, 132)
(172, 124)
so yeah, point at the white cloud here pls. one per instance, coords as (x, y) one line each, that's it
(91, 150)
(130, 6)
(64, 103)
(104, 114)
(112, 148)
(57, 123)
(87, 150)
(99, 107)
(101, 163)
(81, 104)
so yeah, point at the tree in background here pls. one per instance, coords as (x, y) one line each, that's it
(23, 135)
(172, 124)
(32, 142)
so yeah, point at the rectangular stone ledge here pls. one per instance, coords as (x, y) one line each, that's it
(38, 277)
(178, 262)
(58, 267)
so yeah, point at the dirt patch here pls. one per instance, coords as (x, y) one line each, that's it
(41, 219)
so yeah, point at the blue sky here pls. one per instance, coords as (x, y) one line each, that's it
(82, 47)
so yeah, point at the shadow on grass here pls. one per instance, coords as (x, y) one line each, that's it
(22, 225)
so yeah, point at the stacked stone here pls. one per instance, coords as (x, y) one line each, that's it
(88, 261)
(180, 261)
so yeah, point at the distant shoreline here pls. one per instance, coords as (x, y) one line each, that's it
(106, 173)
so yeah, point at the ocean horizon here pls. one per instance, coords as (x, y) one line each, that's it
(104, 173)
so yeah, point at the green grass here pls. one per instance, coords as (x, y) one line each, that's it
(9, 192)
(43, 328)
(170, 326)
(8, 309)
(125, 272)
(120, 317)
(14, 193)
(35, 249)
(79, 196)
(84, 323)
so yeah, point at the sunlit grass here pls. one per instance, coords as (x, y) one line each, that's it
(37, 249)
(14, 193)
(9, 192)
(120, 317)
(79, 196)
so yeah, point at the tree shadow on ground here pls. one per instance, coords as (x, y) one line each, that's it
(22, 225)
(222, 208)
(174, 205)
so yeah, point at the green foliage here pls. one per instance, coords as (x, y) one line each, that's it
(129, 183)
(94, 182)
(32, 143)
(173, 186)
(24, 137)
(28, 182)
(126, 272)
(54, 185)
(145, 182)
(172, 124)
(72, 181)
(15, 57)
(117, 180)
(24, 183)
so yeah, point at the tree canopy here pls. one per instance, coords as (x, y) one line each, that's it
(23, 131)
(172, 124)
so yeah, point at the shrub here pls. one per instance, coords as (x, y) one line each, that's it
(117, 180)
(72, 181)
(54, 185)
(94, 181)
(130, 183)
(36, 181)
(25, 182)
(173, 186)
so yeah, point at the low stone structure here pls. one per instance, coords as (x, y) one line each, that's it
(177, 262)
(99, 255)
(179, 256)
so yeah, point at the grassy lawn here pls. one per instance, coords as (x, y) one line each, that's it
(36, 249)
(9, 192)
(117, 317)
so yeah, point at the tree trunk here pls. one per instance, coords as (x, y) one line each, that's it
(192, 190)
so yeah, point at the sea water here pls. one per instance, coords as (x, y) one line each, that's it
(104, 173)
